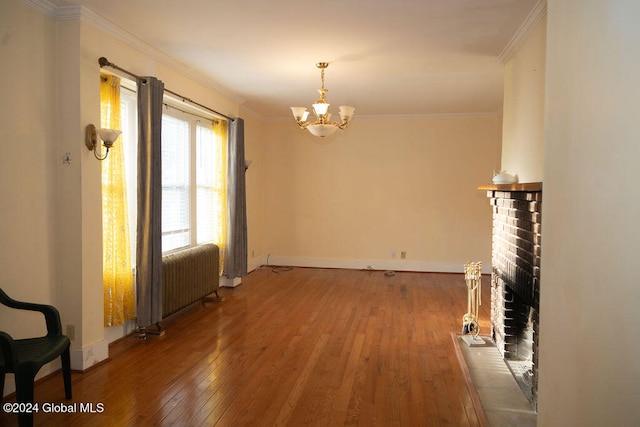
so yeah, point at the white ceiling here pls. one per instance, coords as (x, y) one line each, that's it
(400, 57)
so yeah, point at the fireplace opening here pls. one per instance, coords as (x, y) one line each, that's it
(516, 338)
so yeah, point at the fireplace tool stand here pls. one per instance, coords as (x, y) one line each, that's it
(470, 325)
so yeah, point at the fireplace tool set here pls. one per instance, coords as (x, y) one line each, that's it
(473, 278)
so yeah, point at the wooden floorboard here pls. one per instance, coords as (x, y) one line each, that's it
(325, 347)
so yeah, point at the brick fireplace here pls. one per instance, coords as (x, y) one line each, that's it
(515, 278)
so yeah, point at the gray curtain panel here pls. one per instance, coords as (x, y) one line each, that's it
(235, 264)
(149, 231)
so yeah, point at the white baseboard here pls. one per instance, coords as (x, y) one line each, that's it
(84, 358)
(114, 333)
(226, 282)
(256, 262)
(364, 264)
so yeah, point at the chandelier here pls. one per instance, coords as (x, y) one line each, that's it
(322, 126)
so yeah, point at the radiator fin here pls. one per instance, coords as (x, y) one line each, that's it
(189, 275)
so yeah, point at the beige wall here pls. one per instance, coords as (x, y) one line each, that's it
(523, 118)
(589, 371)
(27, 165)
(256, 192)
(403, 184)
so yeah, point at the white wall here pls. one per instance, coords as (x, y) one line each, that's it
(403, 184)
(523, 118)
(589, 370)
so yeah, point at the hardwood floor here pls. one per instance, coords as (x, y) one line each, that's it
(301, 347)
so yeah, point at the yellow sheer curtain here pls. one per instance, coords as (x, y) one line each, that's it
(220, 238)
(117, 275)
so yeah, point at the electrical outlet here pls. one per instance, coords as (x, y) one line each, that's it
(393, 253)
(71, 332)
(403, 255)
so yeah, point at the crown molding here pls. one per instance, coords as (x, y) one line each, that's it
(535, 16)
(42, 6)
(82, 13)
(431, 115)
(70, 13)
(402, 116)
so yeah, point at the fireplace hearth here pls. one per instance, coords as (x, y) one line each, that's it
(515, 278)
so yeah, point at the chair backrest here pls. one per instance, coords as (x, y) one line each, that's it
(51, 314)
(4, 298)
(10, 302)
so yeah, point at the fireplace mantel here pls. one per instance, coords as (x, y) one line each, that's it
(523, 186)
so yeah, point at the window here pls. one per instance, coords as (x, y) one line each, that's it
(176, 180)
(129, 122)
(190, 186)
(193, 183)
(211, 185)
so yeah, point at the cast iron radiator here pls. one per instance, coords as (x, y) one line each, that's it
(189, 275)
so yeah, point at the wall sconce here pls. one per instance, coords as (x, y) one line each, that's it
(108, 137)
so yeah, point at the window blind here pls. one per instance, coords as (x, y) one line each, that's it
(176, 229)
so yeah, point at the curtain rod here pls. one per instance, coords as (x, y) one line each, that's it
(104, 62)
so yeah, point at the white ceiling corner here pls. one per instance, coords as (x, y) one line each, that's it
(536, 15)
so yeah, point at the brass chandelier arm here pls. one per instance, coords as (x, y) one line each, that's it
(340, 125)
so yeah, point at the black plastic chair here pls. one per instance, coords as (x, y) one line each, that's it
(25, 357)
